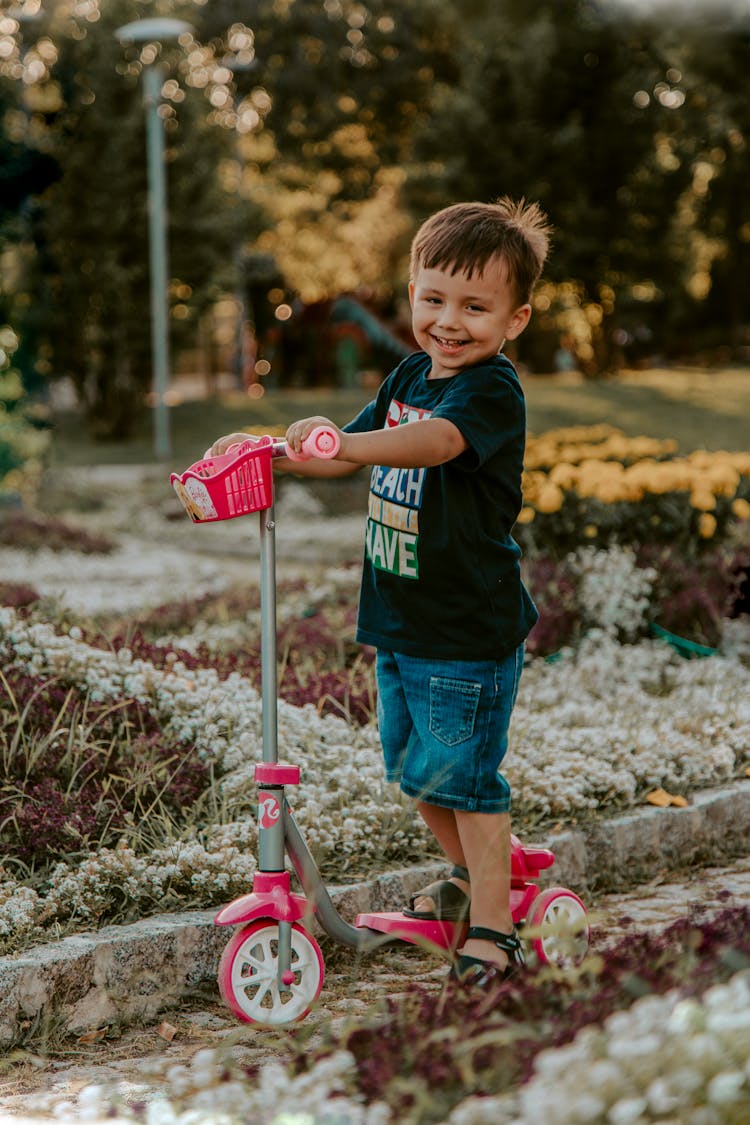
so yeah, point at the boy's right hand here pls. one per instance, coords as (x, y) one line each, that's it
(222, 444)
(298, 431)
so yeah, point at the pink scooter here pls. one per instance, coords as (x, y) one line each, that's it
(272, 969)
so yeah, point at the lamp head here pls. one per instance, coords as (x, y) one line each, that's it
(156, 30)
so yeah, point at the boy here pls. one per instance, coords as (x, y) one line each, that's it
(442, 599)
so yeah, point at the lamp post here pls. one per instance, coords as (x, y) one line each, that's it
(156, 31)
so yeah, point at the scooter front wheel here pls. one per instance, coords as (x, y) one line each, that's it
(559, 928)
(249, 974)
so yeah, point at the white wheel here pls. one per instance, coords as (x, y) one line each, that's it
(559, 928)
(249, 968)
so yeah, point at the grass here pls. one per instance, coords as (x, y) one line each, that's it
(195, 424)
(699, 408)
(76, 776)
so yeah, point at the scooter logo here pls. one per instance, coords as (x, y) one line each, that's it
(269, 810)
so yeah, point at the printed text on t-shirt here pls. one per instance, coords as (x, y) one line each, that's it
(393, 513)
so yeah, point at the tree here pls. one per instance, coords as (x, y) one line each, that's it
(547, 108)
(90, 272)
(714, 141)
(339, 87)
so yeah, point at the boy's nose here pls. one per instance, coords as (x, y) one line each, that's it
(448, 317)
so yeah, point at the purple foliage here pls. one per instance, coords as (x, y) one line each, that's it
(17, 595)
(553, 585)
(412, 1041)
(27, 532)
(62, 792)
(693, 595)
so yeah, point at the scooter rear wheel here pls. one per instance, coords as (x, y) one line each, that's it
(562, 934)
(249, 974)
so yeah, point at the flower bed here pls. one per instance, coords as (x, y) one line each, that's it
(682, 526)
(595, 730)
(595, 485)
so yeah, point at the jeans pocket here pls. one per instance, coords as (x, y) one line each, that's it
(453, 709)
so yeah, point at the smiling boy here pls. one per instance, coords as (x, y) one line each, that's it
(442, 599)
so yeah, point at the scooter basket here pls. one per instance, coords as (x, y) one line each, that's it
(231, 485)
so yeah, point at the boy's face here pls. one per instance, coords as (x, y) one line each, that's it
(460, 319)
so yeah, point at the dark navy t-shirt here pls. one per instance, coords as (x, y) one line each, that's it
(441, 571)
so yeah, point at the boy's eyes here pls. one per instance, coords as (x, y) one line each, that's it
(439, 301)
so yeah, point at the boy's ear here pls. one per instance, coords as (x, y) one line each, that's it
(411, 294)
(518, 321)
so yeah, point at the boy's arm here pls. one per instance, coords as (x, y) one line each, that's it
(432, 441)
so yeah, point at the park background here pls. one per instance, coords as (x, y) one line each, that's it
(305, 141)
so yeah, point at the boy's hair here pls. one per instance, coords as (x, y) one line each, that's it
(466, 236)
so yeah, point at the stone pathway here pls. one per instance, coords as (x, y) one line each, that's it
(141, 1061)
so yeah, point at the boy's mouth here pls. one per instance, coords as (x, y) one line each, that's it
(448, 344)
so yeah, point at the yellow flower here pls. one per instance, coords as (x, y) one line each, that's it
(564, 474)
(533, 483)
(723, 479)
(670, 476)
(591, 531)
(703, 501)
(526, 515)
(706, 525)
(549, 499)
(610, 491)
(741, 508)
(590, 473)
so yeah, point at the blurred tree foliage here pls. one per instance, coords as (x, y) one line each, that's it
(632, 130)
(306, 138)
(90, 272)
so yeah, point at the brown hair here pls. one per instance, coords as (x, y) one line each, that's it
(467, 236)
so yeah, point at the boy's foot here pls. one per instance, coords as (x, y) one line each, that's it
(447, 900)
(468, 969)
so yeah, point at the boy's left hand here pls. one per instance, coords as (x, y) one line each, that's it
(222, 444)
(298, 431)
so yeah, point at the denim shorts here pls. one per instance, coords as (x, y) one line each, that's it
(444, 727)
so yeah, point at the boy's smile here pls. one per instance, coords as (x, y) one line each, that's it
(461, 319)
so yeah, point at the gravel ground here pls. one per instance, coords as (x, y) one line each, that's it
(159, 554)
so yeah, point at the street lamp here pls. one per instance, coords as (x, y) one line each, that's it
(156, 31)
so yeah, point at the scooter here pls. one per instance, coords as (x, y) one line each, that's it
(272, 969)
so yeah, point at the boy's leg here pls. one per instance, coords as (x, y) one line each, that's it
(485, 841)
(442, 823)
(481, 842)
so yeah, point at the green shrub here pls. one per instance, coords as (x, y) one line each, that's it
(23, 441)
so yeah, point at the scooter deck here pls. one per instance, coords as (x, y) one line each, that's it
(419, 931)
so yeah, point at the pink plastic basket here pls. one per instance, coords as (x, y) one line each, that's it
(234, 484)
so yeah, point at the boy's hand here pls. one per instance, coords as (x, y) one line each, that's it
(298, 431)
(222, 444)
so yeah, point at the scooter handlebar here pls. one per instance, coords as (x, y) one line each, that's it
(322, 443)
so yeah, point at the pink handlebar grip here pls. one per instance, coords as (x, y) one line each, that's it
(322, 443)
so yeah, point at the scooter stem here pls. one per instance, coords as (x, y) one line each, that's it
(268, 634)
(326, 913)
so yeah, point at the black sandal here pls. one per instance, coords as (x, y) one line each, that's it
(451, 903)
(473, 970)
